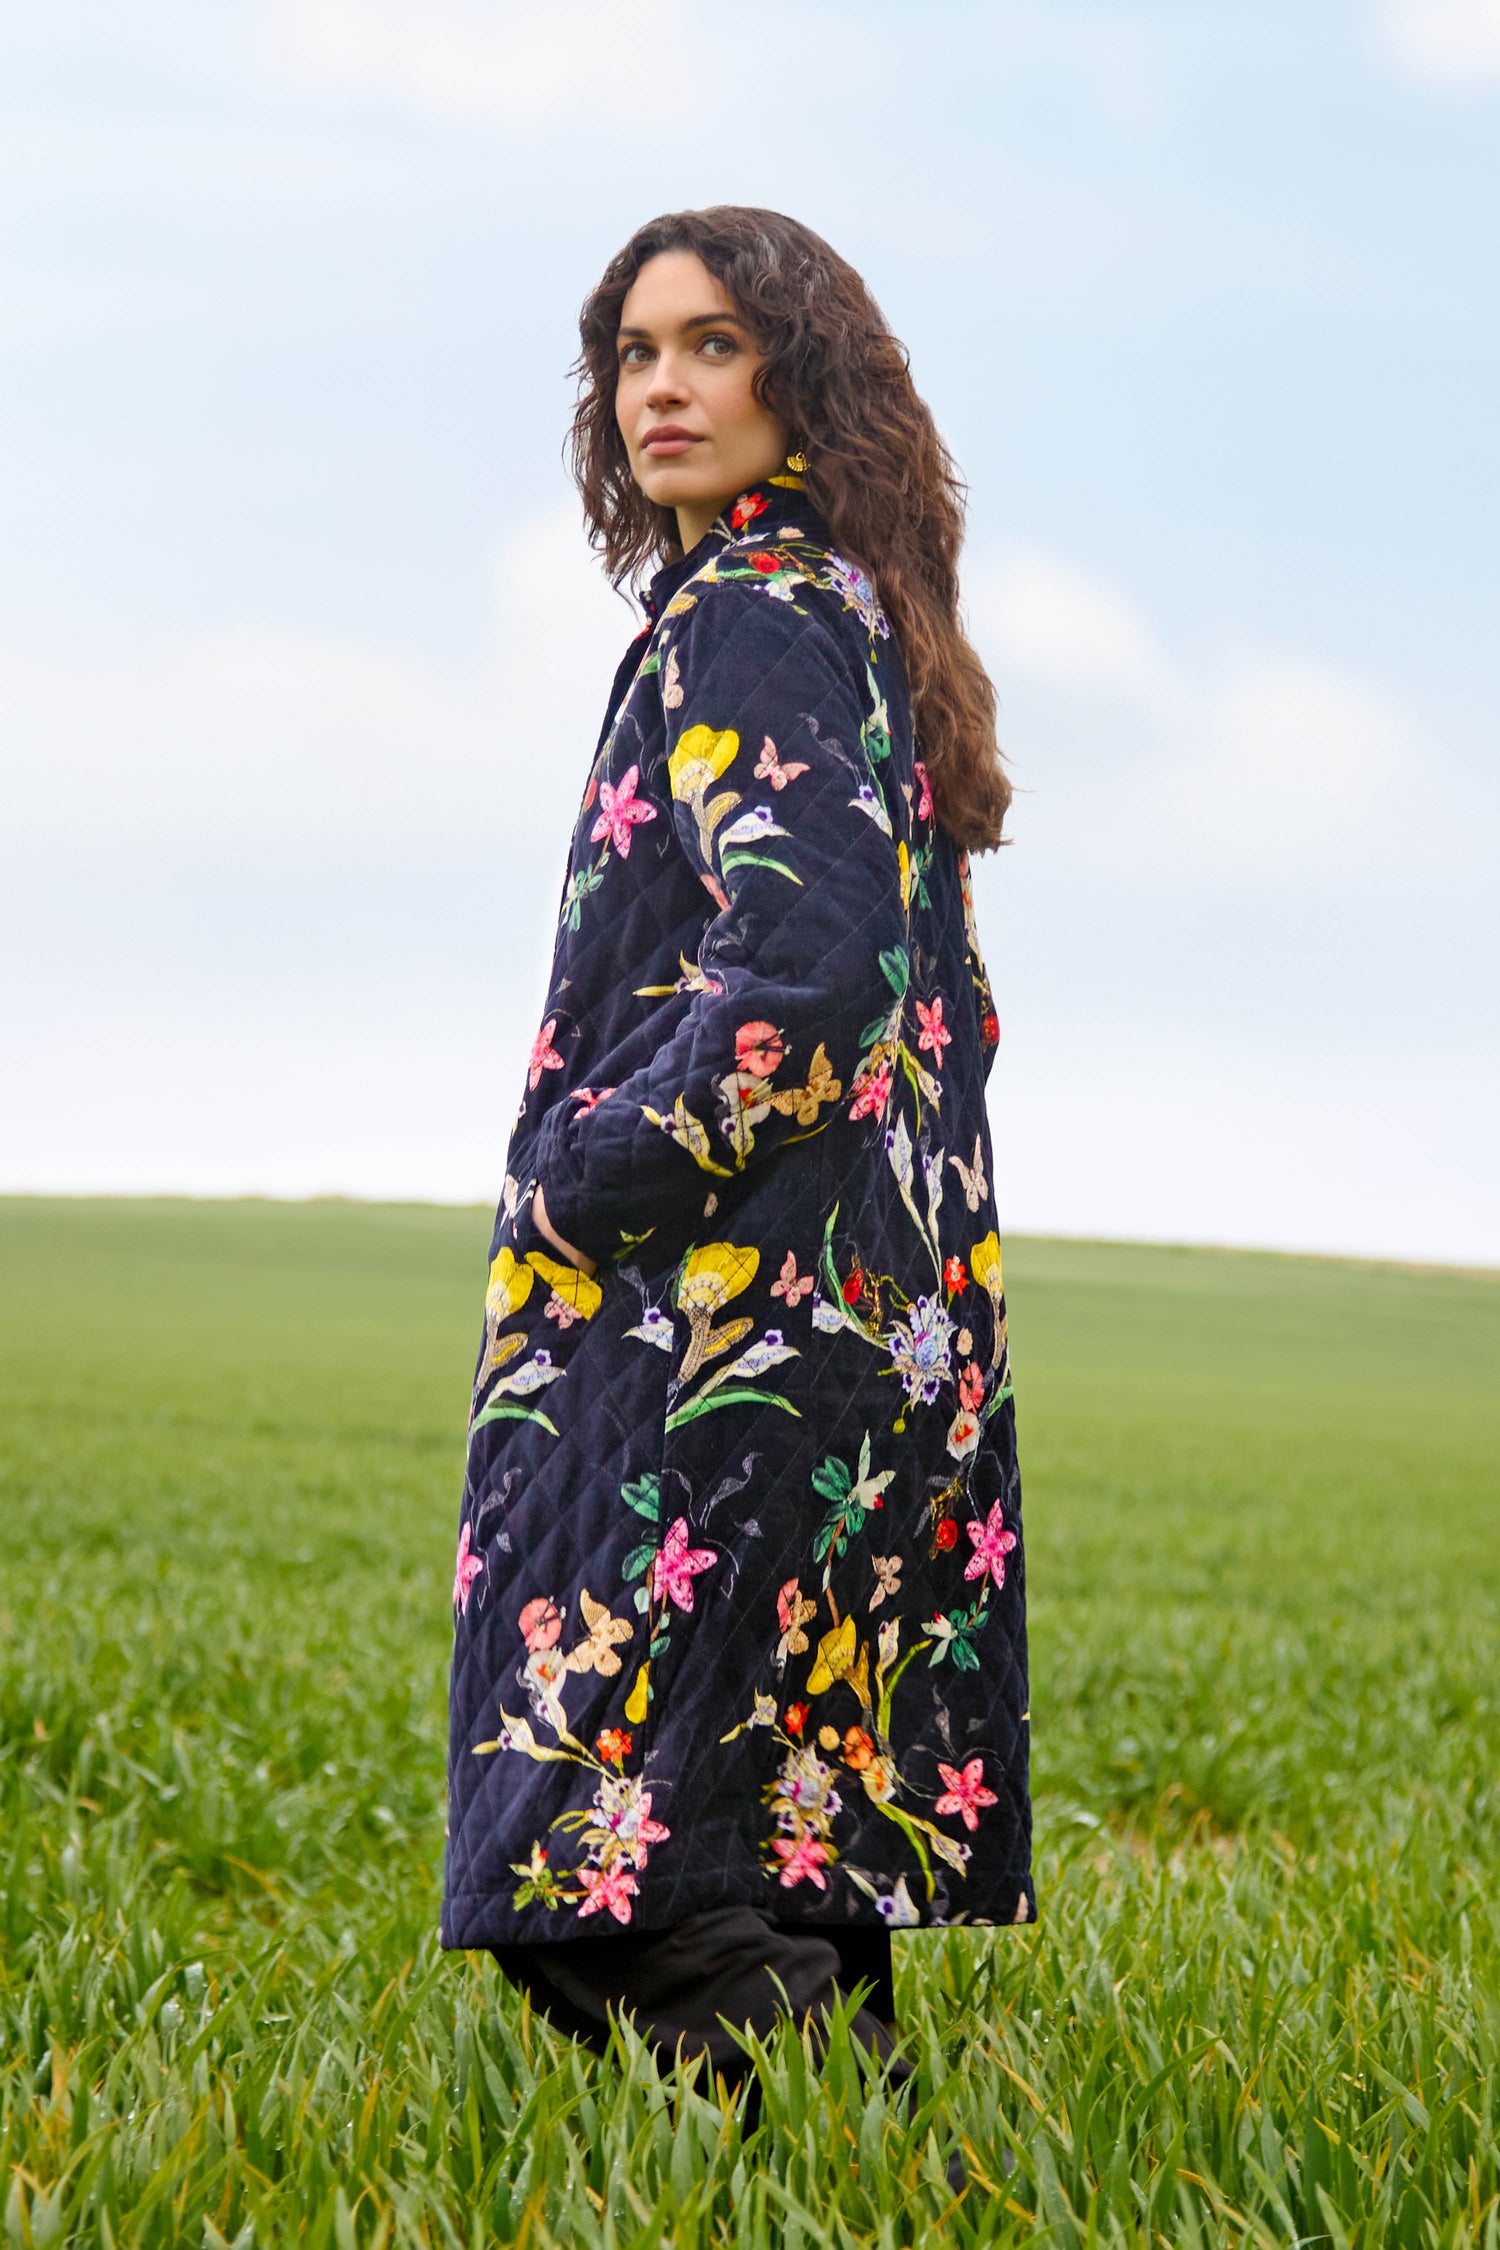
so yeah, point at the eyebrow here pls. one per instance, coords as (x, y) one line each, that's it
(699, 320)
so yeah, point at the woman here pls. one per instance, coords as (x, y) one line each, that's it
(740, 1675)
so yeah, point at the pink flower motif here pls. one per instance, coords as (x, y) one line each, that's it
(935, 1035)
(803, 1861)
(544, 1056)
(871, 1094)
(971, 1388)
(465, 1570)
(758, 1049)
(540, 1623)
(677, 1564)
(619, 810)
(992, 1543)
(641, 1832)
(561, 1311)
(966, 1792)
(587, 1098)
(790, 1286)
(613, 1887)
(924, 802)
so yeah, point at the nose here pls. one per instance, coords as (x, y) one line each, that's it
(667, 386)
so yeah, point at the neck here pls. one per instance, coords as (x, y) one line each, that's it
(697, 516)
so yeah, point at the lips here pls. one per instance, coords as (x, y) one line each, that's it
(669, 439)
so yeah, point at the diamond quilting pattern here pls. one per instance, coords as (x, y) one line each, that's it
(739, 1599)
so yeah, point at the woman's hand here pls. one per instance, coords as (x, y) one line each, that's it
(574, 1257)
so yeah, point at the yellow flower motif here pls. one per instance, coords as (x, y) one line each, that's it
(710, 1278)
(984, 1265)
(835, 1657)
(700, 757)
(903, 867)
(510, 1285)
(575, 1289)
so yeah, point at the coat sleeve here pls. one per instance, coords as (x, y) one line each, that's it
(808, 946)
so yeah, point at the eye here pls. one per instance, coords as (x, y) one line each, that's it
(719, 347)
(628, 354)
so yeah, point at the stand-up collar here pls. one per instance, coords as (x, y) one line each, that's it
(778, 509)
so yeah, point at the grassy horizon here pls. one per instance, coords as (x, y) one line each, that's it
(1260, 2006)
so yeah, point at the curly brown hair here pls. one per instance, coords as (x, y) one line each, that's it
(877, 469)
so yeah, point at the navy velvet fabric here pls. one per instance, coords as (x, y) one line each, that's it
(740, 1591)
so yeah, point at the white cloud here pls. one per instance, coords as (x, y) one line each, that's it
(276, 908)
(1065, 625)
(1452, 43)
(1221, 764)
(507, 62)
(258, 745)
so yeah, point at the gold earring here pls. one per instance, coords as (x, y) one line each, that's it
(796, 462)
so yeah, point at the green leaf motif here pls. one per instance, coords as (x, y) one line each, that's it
(730, 860)
(896, 962)
(644, 1496)
(742, 1397)
(506, 1411)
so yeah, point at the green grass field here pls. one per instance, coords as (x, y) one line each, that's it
(1262, 2005)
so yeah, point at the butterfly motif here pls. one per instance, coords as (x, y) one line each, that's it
(802, 1102)
(768, 767)
(596, 1652)
(976, 1186)
(793, 1611)
(792, 1285)
(671, 693)
(888, 1571)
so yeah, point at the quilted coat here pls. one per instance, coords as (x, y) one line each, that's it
(739, 1597)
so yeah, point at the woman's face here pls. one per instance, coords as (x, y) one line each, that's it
(695, 432)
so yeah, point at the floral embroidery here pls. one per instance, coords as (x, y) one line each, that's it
(544, 1056)
(992, 1543)
(465, 1570)
(795, 835)
(620, 810)
(965, 1793)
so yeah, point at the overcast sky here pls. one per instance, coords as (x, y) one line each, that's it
(302, 655)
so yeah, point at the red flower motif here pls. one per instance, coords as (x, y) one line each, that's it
(796, 1718)
(924, 802)
(853, 1287)
(745, 510)
(966, 1792)
(934, 1035)
(764, 562)
(946, 1535)
(955, 1276)
(989, 1028)
(858, 1749)
(971, 1388)
(614, 1745)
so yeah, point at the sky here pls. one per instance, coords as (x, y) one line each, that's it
(303, 654)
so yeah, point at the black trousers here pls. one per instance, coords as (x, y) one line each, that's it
(678, 1983)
